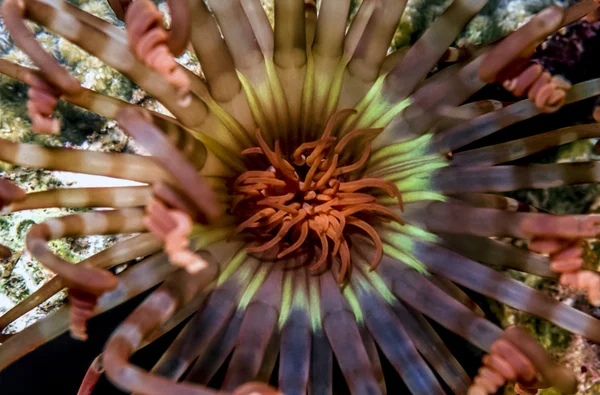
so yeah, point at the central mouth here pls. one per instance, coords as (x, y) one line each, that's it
(312, 198)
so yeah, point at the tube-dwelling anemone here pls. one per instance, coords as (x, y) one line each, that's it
(309, 194)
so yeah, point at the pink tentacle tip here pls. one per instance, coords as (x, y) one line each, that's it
(174, 227)
(151, 48)
(42, 100)
(566, 258)
(82, 309)
(547, 92)
(505, 363)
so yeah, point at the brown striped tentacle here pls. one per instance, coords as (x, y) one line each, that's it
(91, 280)
(115, 197)
(124, 251)
(51, 82)
(136, 123)
(126, 166)
(177, 290)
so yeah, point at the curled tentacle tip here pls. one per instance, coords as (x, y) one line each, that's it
(583, 280)
(82, 309)
(149, 42)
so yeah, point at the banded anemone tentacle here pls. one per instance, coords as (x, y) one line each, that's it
(580, 10)
(122, 252)
(190, 144)
(191, 183)
(132, 282)
(463, 134)
(373, 353)
(224, 252)
(88, 279)
(53, 80)
(456, 292)
(206, 325)
(488, 200)
(417, 291)
(289, 55)
(371, 50)
(388, 331)
(433, 348)
(339, 322)
(489, 282)
(214, 357)
(413, 68)
(520, 44)
(119, 7)
(454, 116)
(430, 103)
(259, 322)
(440, 217)
(249, 57)
(9, 194)
(83, 197)
(422, 335)
(327, 49)
(126, 166)
(218, 66)
(92, 376)
(459, 180)
(521, 148)
(496, 253)
(517, 356)
(99, 38)
(154, 47)
(178, 289)
(296, 335)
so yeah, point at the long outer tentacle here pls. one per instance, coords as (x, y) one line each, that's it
(171, 159)
(92, 280)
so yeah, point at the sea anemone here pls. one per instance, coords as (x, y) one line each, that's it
(308, 198)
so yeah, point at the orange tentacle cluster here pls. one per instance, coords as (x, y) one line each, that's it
(547, 92)
(173, 227)
(148, 41)
(505, 363)
(286, 209)
(566, 258)
(82, 309)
